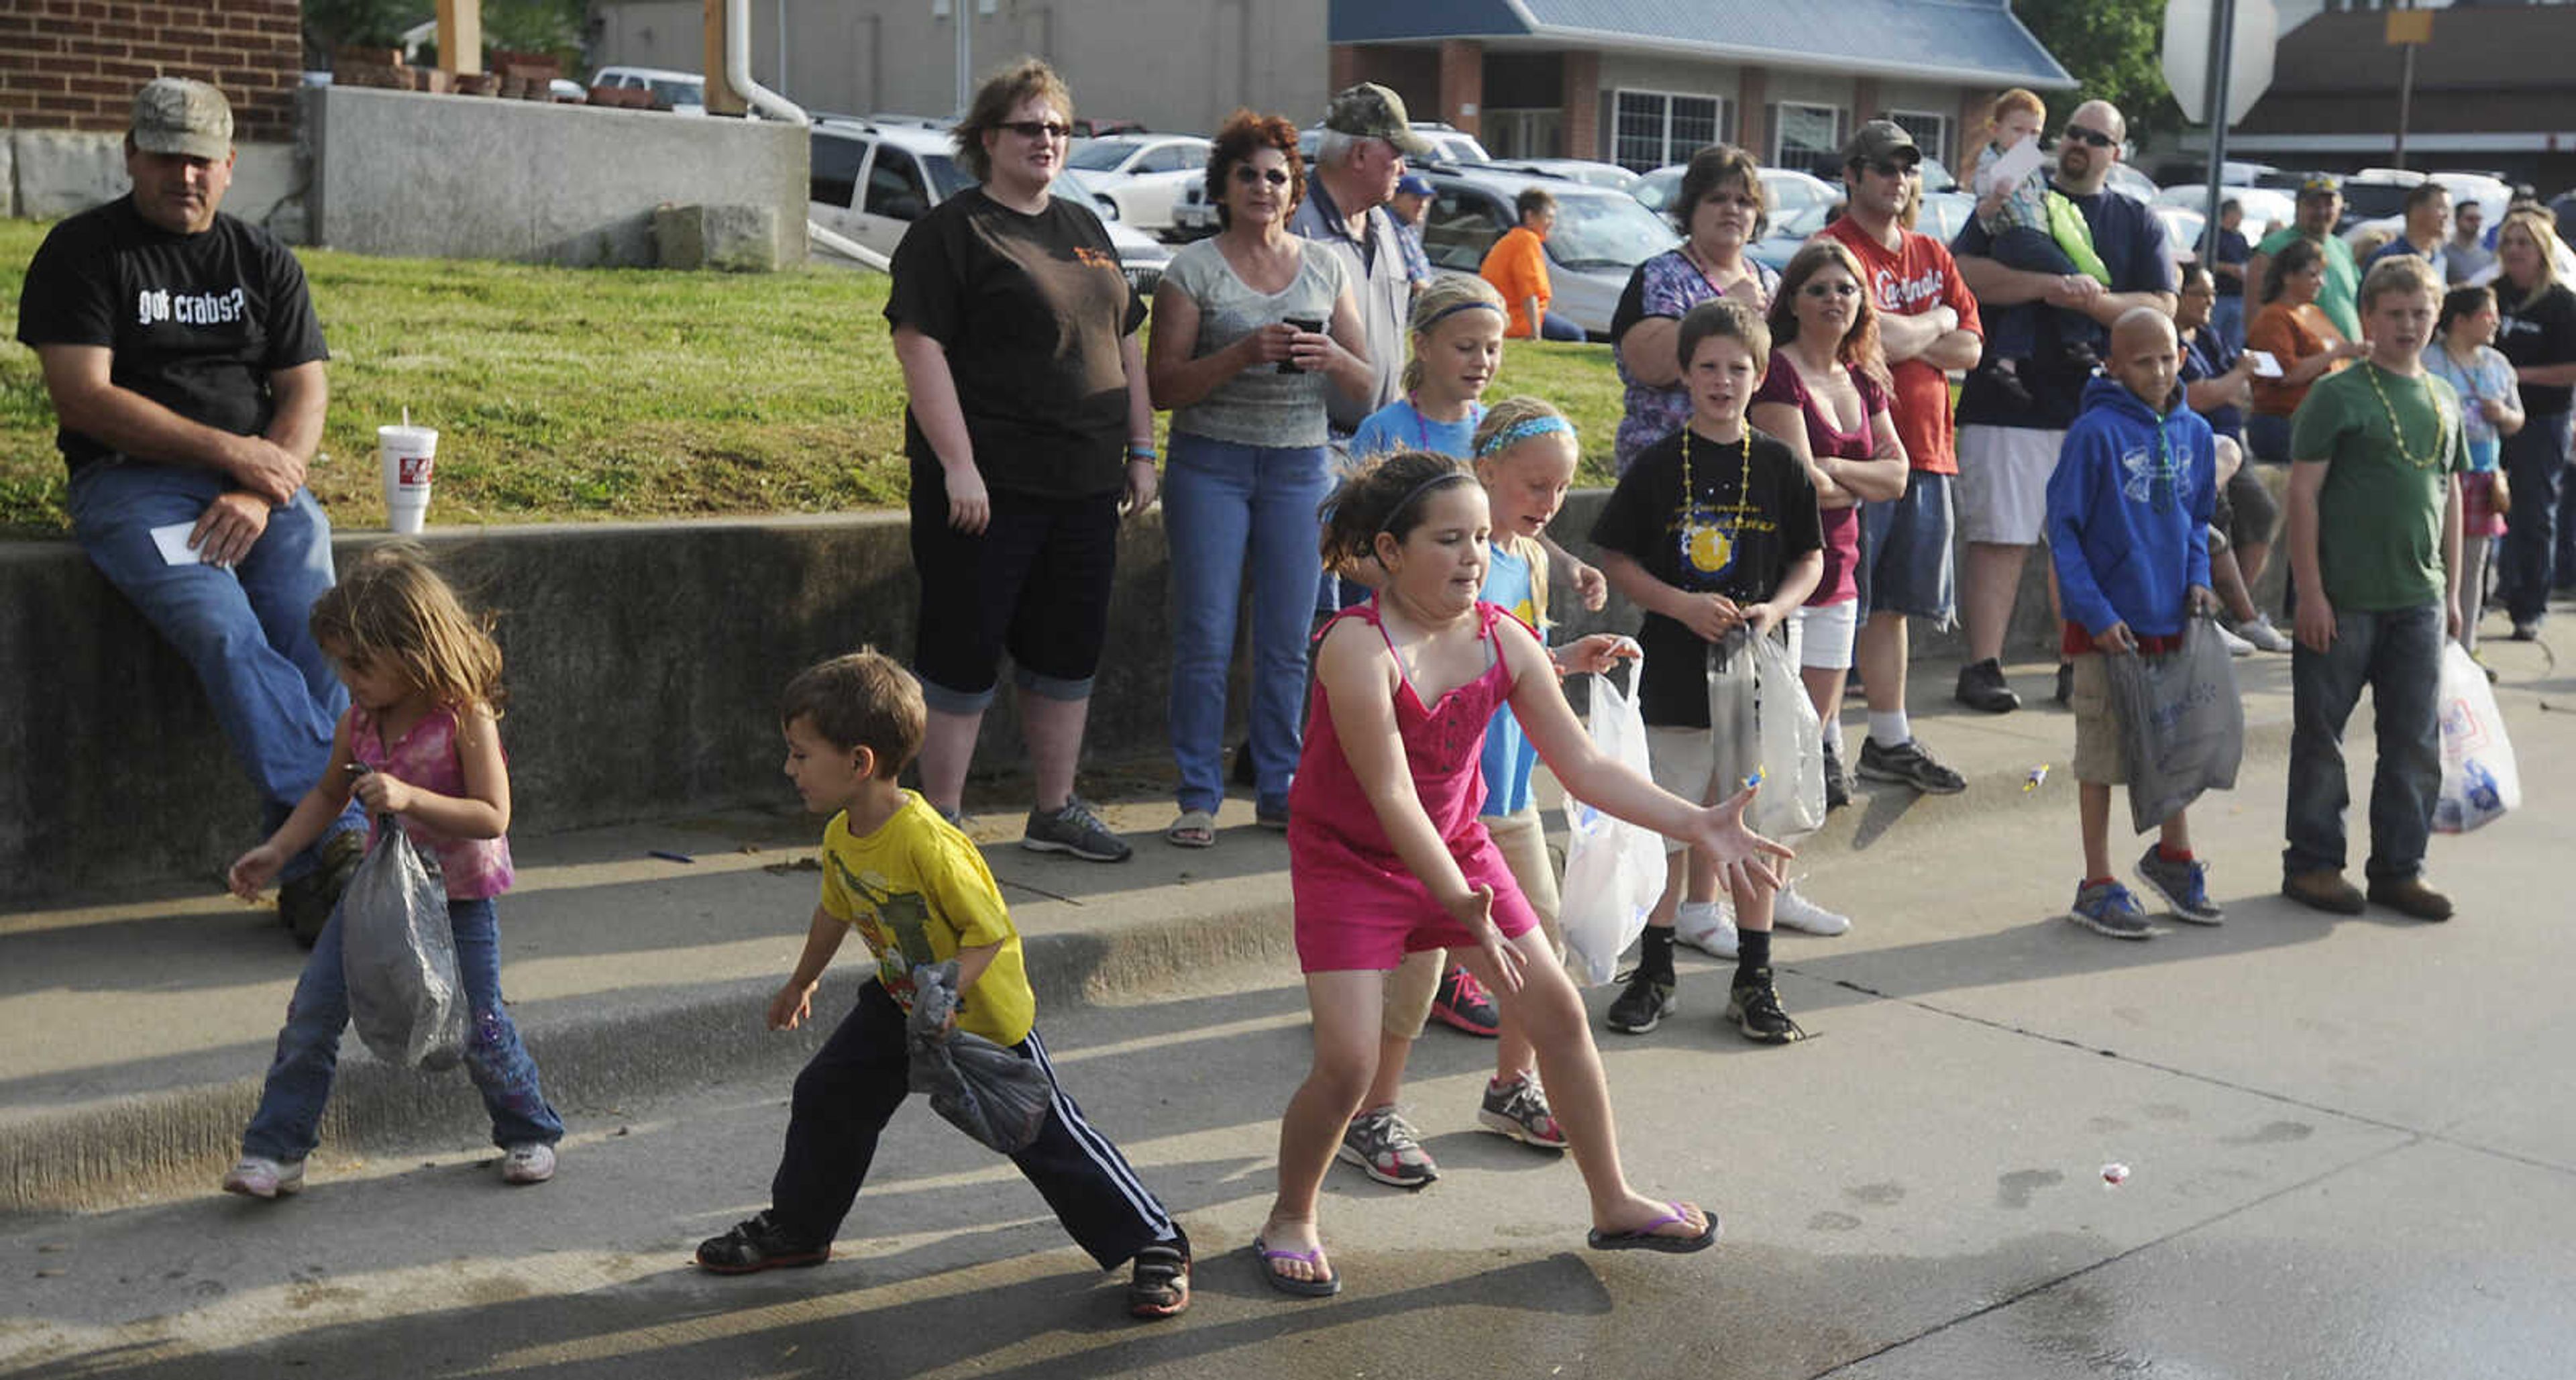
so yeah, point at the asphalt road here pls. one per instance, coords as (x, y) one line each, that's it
(2348, 1144)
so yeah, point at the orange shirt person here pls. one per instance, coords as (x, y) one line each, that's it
(1517, 267)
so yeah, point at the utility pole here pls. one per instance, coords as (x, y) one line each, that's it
(2222, 55)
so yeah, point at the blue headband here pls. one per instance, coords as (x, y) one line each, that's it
(1521, 431)
(1472, 304)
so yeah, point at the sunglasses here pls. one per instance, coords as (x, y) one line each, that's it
(2085, 135)
(1890, 167)
(1037, 129)
(1831, 289)
(1248, 175)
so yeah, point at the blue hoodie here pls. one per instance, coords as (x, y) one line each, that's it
(2128, 514)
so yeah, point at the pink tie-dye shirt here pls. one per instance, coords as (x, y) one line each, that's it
(475, 869)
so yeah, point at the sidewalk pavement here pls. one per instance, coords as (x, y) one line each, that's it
(133, 1032)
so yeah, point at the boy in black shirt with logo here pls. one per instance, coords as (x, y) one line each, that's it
(1713, 531)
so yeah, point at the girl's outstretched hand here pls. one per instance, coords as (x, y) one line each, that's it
(252, 870)
(1741, 855)
(1596, 654)
(1475, 911)
(1591, 586)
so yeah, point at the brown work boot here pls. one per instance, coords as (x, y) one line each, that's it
(2324, 889)
(2409, 896)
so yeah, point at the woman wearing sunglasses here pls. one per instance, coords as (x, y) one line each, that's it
(1029, 430)
(1251, 327)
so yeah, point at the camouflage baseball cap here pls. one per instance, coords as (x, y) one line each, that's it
(1373, 112)
(189, 118)
(1881, 141)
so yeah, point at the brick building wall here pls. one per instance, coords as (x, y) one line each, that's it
(75, 64)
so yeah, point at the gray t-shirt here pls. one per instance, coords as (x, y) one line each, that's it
(1378, 283)
(1260, 406)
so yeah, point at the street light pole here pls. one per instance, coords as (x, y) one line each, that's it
(2222, 54)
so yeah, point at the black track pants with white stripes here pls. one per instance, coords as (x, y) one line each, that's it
(851, 1088)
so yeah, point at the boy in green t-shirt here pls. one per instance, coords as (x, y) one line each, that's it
(917, 891)
(2375, 549)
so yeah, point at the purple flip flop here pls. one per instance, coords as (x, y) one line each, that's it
(1645, 1239)
(1302, 1288)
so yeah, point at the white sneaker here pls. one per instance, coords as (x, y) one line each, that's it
(2236, 646)
(1708, 926)
(532, 1163)
(1791, 909)
(2266, 638)
(258, 1177)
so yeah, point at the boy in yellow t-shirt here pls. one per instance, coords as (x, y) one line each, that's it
(916, 891)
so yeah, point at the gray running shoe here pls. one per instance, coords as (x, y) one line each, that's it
(2108, 908)
(2183, 885)
(1076, 830)
(1386, 1149)
(1518, 1109)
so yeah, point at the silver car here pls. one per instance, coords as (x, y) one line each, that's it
(1600, 236)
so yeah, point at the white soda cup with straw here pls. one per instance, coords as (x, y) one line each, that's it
(409, 454)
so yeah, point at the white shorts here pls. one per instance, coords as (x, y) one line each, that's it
(1820, 637)
(2003, 483)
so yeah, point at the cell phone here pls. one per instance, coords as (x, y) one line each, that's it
(1310, 325)
(2265, 367)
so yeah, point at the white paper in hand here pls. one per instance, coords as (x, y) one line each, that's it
(2012, 167)
(2265, 366)
(173, 541)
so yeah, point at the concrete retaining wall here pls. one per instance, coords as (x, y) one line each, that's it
(400, 172)
(46, 174)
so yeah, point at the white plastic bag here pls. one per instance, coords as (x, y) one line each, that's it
(1614, 870)
(2479, 781)
(1791, 748)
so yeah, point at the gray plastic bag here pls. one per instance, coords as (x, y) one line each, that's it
(986, 1091)
(2182, 724)
(398, 955)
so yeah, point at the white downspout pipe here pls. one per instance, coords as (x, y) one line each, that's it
(777, 107)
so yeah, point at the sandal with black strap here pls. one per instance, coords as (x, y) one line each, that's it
(1159, 1286)
(1194, 829)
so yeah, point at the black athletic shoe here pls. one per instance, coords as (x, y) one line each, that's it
(304, 905)
(1982, 687)
(1907, 764)
(1641, 1006)
(2065, 682)
(756, 1245)
(1837, 790)
(1754, 1005)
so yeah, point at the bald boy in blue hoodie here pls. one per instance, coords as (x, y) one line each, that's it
(2128, 506)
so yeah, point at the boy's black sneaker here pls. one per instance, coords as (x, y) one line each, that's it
(2065, 693)
(1641, 1005)
(1982, 687)
(1754, 1005)
(304, 905)
(1907, 764)
(1159, 1285)
(755, 1245)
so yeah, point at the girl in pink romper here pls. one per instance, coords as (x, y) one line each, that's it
(1386, 855)
(424, 682)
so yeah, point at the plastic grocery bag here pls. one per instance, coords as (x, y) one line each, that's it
(2182, 725)
(2479, 781)
(398, 955)
(1613, 869)
(1791, 748)
(988, 1092)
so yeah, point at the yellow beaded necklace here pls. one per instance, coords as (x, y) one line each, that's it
(2441, 418)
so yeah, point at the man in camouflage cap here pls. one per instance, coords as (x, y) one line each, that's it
(185, 365)
(1356, 167)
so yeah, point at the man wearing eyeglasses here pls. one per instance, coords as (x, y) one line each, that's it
(1927, 324)
(2007, 449)
(2320, 207)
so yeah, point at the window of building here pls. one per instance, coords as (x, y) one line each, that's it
(1807, 138)
(1931, 132)
(1532, 133)
(1650, 129)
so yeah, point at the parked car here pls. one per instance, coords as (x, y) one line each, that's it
(871, 182)
(2490, 193)
(1583, 170)
(2183, 229)
(681, 93)
(1142, 175)
(1944, 214)
(1086, 127)
(2130, 182)
(2265, 208)
(1448, 144)
(1600, 236)
(1194, 216)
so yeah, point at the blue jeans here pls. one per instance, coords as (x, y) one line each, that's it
(244, 630)
(2397, 654)
(2535, 465)
(1226, 506)
(1554, 326)
(288, 1123)
(2227, 319)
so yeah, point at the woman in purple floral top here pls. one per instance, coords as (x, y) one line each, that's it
(1721, 210)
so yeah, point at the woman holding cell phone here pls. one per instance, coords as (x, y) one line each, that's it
(1249, 329)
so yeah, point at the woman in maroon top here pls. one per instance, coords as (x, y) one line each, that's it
(1826, 398)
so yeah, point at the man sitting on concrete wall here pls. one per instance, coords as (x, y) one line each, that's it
(184, 360)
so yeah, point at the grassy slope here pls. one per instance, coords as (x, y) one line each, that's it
(572, 394)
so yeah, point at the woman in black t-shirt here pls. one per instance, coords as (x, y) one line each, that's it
(1015, 328)
(2538, 334)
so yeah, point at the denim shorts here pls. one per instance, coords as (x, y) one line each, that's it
(1905, 552)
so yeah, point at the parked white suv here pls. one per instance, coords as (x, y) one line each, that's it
(682, 93)
(1142, 175)
(872, 180)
